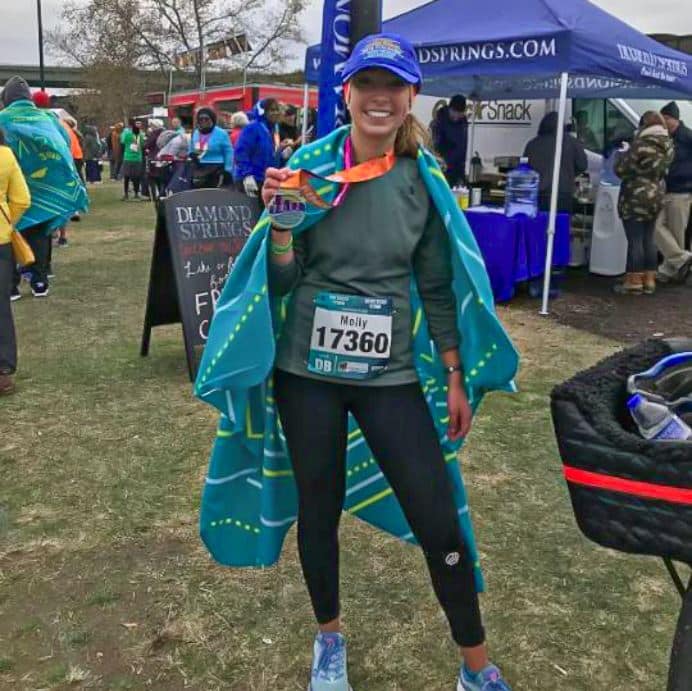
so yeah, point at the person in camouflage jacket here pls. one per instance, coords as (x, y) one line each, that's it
(642, 169)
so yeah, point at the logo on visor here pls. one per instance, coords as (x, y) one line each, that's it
(382, 48)
(287, 209)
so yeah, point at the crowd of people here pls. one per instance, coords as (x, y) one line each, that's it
(154, 160)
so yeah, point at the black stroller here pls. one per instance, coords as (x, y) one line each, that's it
(628, 493)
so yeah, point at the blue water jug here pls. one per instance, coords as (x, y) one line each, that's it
(521, 195)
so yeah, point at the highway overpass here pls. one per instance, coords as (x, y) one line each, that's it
(62, 77)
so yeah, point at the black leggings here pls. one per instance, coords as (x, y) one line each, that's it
(135, 185)
(8, 340)
(397, 425)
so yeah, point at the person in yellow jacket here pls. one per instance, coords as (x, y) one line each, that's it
(14, 201)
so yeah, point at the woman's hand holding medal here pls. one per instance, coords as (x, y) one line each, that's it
(281, 238)
(273, 178)
(287, 194)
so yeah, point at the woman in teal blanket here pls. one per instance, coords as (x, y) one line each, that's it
(346, 347)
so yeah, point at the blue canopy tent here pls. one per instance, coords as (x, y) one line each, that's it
(504, 49)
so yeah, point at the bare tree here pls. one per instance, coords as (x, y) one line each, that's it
(159, 33)
(115, 93)
(91, 34)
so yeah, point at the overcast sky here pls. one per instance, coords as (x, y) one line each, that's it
(18, 30)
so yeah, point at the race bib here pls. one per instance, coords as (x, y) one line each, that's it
(351, 336)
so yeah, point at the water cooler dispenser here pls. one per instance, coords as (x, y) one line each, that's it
(608, 241)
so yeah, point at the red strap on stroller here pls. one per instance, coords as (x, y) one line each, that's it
(646, 490)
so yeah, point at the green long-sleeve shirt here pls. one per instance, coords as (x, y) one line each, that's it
(385, 231)
(133, 146)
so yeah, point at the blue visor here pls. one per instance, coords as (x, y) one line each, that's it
(388, 52)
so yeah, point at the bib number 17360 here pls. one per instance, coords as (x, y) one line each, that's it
(352, 341)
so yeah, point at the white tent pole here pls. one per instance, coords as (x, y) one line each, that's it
(472, 138)
(559, 136)
(306, 96)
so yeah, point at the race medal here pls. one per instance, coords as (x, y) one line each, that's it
(351, 336)
(287, 209)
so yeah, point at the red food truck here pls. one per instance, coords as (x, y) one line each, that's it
(226, 100)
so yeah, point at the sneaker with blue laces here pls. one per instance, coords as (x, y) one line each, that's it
(488, 679)
(329, 664)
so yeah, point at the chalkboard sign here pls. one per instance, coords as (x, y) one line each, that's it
(199, 235)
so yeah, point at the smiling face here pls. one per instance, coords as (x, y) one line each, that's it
(379, 101)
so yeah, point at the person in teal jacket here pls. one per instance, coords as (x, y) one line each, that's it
(369, 326)
(41, 147)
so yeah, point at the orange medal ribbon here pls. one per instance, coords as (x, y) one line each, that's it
(368, 170)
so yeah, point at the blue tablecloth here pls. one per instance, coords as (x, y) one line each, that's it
(514, 248)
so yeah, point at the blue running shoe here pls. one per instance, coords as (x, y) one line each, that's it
(329, 664)
(488, 679)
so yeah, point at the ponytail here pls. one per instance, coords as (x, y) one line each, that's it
(410, 137)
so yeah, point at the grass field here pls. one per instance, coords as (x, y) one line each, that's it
(104, 583)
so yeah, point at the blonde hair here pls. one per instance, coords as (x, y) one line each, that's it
(410, 136)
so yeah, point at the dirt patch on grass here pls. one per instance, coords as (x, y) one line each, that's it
(95, 620)
(588, 302)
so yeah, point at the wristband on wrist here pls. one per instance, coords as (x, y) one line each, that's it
(451, 369)
(282, 249)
